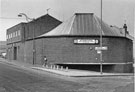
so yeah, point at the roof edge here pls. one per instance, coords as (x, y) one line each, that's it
(84, 14)
(82, 36)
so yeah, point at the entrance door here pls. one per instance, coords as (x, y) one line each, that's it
(15, 53)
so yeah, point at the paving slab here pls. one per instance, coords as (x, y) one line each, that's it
(80, 73)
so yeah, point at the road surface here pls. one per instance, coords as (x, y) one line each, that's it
(18, 79)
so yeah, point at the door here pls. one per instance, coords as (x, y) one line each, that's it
(15, 53)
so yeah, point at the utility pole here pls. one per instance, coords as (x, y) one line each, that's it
(134, 39)
(101, 40)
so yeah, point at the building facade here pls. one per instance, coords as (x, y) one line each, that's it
(20, 33)
(3, 48)
(76, 42)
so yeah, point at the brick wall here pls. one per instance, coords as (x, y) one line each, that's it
(119, 50)
(40, 26)
(63, 49)
(125, 68)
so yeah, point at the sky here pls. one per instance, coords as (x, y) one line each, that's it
(115, 12)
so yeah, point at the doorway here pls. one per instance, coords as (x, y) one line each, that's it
(15, 53)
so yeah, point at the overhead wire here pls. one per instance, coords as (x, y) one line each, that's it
(10, 18)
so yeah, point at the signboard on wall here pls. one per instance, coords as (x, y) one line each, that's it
(86, 41)
(101, 48)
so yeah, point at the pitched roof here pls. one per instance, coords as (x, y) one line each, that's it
(84, 24)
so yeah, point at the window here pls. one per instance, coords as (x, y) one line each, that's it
(11, 35)
(7, 36)
(19, 33)
(16, 33)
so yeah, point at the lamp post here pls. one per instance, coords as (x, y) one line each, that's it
(101, 40)
(134, 39)
(33, 36)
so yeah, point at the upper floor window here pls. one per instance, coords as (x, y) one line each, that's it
(19, 33)
(16, 34)
(13, 34)
(7, 36)
(10, 36)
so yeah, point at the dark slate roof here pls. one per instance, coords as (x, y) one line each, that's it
(84, 24)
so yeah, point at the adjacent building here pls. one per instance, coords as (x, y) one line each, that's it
(18, 35)
(3, 47)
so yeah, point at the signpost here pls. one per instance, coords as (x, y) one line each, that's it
(101, 48)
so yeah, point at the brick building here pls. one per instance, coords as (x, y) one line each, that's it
(19, 34)
(3, 47)
(76, 43)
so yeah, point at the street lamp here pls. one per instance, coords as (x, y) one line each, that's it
(101, 40)
(27, 18)
(33, 38)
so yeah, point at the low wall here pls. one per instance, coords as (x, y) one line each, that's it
(110, 68)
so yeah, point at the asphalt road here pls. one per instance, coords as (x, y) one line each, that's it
(18, 79)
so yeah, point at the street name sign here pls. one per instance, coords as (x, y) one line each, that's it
(101, 48)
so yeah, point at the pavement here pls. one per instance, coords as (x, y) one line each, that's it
(64, 71)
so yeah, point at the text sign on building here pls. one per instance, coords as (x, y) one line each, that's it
(101, 48)
(86, 41)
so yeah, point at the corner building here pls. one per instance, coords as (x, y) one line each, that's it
(76, 43)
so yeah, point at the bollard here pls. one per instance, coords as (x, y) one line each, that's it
(54, 67)
(66, 68)
(57, 67)
(43, 65)
(61, 68)
(51, 66)
(46, 66)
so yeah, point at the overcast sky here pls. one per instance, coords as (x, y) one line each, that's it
(114, 11)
